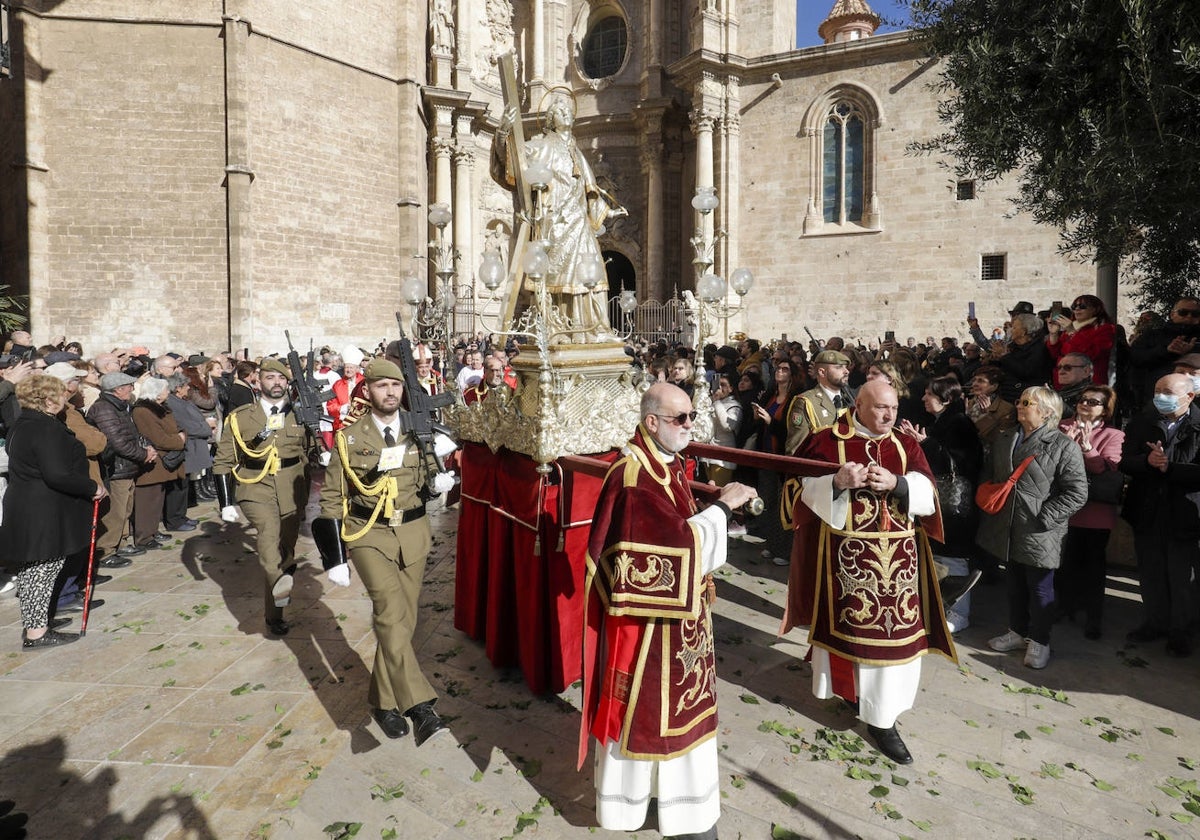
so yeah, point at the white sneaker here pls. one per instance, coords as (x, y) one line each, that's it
(1037, 655)
(1012, 640)
(956, 622)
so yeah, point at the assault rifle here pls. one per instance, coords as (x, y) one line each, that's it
(308, 400)
(813, 338)
(421, 417)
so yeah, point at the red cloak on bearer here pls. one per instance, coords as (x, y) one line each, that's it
(649, 671)
(867, 589)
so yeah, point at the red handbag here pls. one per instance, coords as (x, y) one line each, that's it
(991, 495)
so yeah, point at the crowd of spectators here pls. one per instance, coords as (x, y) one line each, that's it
(1113, 408)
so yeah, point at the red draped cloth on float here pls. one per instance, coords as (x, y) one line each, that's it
(519, 577)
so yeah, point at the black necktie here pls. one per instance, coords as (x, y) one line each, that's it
(838, 403)
(389, 439)
(274, 409)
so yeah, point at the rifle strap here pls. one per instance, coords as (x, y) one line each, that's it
(385, 489)
(269, 455)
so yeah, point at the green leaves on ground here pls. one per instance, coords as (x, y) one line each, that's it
(387, 794)
(1040, 690)
(245, 688)
(1020, 792)
(342, 830)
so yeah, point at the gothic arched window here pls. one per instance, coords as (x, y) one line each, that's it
(840, 126)
(843, 158)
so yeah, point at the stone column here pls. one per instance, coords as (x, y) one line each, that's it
(702, 126)
(464, 204)
(441, 148)
(537, 49)
(653, 285)
(238, 177)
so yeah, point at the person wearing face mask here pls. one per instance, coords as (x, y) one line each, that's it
(1162, 505)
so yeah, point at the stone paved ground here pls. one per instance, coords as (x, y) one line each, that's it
(175, 717)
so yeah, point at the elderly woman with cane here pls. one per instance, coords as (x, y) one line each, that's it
(49, 504)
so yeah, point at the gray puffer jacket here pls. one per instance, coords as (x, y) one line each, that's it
(1032, 525)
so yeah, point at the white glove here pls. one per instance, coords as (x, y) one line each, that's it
(324, 458)
(229, 513)
(340, 575)
(443, 445)
(443, 482)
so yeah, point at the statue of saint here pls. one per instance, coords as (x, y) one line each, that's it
(441, 26)
(573, 210)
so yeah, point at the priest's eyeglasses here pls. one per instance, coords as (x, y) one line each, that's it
(678, 419)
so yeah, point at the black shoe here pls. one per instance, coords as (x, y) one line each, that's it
(76, 606)
(163, 539)
(189, 525)
(1145, 633)
(52, 639)
(890, 744)
(391, 722)
(116, 561)
(1179, 645)
(281, 590)
(426, 722)
(954, 587)
(278, 626)
(99, 579)
(130, 551)
(55, 623)
(151, 545)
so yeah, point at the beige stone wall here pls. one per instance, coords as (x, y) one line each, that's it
(917, 274)
(133, 116)
(134, 140)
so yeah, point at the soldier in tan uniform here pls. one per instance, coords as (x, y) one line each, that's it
(373, 510)
(264, 452)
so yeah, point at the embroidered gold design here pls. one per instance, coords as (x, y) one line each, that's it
(695, 655)
(654, 573)
(878, 586)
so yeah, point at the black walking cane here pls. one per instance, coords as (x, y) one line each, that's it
(87, 589)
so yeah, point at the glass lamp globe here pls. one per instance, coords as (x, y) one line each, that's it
(591, 269)
(741, 281)
(491, 270)
(439, 215)
(538, 174)
(627, 301)
(413, 290)
(536, 261)
(705, 200)
(710, 288)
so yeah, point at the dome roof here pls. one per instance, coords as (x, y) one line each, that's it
(846, 17)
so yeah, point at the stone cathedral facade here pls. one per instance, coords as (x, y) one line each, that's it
(203, 174)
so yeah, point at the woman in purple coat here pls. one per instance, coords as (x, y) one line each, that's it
(1079, 581)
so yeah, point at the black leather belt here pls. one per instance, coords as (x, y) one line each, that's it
(364, 512)
(258, 463)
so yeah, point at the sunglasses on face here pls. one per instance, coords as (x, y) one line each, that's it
(678, 419)
(1188, 313)
(1081, 305)
(1092, 402)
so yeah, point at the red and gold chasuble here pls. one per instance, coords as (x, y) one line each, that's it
(867, 588)
(649, 671)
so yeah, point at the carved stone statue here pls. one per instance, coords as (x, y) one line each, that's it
(573, 209)
(441, 26)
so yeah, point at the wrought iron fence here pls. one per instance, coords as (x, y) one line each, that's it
(650, 320)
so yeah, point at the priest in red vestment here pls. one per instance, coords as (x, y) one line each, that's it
(862, 574)
(649, 673)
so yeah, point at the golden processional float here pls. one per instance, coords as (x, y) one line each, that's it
(527, 495)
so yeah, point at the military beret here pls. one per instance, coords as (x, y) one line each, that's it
(270, 364)
(831, 357)
(382, 369)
